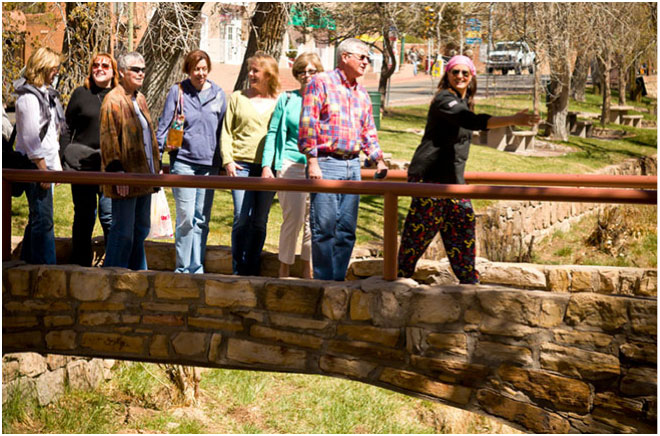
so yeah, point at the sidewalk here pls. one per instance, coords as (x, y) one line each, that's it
(225, 76)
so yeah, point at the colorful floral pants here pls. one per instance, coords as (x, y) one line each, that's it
(455, 220)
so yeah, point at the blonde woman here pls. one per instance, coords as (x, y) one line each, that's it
(242, 142)
(281, 155)
(39, 118)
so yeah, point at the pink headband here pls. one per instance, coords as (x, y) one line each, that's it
(461, 60)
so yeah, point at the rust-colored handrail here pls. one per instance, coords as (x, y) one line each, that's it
(539, 179)
(390, 190)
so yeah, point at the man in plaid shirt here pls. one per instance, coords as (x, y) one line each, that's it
(337, 122)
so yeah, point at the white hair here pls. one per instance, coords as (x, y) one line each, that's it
(128, 58)
(350, 45)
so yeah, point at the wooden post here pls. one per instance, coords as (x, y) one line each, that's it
(6, 220)
(390, 229)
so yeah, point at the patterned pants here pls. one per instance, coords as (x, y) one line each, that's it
(455, 220)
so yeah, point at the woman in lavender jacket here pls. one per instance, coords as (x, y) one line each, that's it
(204, 106)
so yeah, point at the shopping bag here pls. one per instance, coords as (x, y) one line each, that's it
(161, 220)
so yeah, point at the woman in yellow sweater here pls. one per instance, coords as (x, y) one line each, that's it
(242, 142)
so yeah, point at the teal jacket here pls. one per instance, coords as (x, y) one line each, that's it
(275, 149)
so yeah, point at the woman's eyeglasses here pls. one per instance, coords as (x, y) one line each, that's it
(456, 73)
(104, 66)
(137, 69)
(307, 73)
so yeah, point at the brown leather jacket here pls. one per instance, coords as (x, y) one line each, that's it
(122, 144)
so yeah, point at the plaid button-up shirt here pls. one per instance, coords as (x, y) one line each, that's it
(337, 118)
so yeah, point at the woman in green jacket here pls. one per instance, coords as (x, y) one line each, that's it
(281, 155)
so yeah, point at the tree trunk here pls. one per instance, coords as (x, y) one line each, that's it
(387, 68)
(605, 66)
(623, 81)
(557, 104)
(85, 34)
(173, 31)
(597, 76)
(267, 27)
(579, 78)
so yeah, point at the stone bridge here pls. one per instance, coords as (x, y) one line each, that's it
(542, 360)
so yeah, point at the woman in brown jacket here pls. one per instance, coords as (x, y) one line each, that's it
(128, 144)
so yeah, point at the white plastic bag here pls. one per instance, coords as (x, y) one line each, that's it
(161, 221)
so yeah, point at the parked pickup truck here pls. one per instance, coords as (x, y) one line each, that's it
(511, 55)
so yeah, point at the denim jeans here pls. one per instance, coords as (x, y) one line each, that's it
(131, 221)
(193, 213)
(333, 220)
(84, 215)
(248, 232)
(39, 236)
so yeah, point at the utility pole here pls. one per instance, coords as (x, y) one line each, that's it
(490, 45)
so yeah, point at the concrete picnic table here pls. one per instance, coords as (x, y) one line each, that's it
(616, 112)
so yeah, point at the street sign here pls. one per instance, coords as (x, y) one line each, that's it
(473, 31)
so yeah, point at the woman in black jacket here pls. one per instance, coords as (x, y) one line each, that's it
(440, 158)
(80, 151)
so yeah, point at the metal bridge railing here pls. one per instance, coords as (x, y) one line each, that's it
(544, 187)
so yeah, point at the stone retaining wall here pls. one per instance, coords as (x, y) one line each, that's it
(44, 378)
(541, 361)
(506, 230)
(642, 282)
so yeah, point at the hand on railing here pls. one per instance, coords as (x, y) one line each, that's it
(313, 168)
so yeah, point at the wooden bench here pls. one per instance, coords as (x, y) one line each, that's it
(631, 120)
(520, 140)
(583, 129)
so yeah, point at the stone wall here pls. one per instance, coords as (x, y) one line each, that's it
(43, 378)
(541, 361)
(642, 282)
(507, 231)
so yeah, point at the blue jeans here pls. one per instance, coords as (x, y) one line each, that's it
(131, 221)
(39, 236)
(333, 220)
(84, 215)
(193, 213)
(248, 232)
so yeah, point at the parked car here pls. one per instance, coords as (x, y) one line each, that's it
(511, 55)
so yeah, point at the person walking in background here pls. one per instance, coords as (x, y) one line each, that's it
(128, 144)
(335, 124)
(243, 137)
(441, 158)
(81, 151)
(281, 154)
(203, 106)
(39, 120)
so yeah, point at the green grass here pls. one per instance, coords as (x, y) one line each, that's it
(238, 401)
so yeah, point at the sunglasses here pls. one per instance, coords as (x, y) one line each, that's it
(97, 65)
(361, 57)
(307, 73)
(137, 69)
(464, 73)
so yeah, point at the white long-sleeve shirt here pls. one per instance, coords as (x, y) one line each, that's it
(28, 124)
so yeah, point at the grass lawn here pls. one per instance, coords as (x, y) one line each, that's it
(398, 137)
(140, 399)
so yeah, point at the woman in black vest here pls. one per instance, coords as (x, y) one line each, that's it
(441, 158)
(80, 151)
